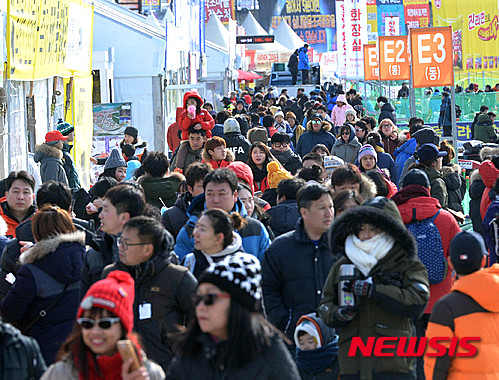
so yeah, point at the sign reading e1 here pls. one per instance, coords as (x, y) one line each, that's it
(264, 39)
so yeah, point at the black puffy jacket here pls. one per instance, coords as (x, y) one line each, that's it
(476, 190)
(456, 186)
(294, 271)
(238, 144)
(387, 112)
(168, 288)
(175, 217)
(283, 217)
(208, 363)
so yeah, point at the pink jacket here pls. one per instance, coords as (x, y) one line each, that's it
(338, 113)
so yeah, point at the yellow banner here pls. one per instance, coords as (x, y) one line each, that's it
(48, 38)
(475, 30)
(80, 115)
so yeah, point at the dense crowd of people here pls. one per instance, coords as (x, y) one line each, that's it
(279, 230)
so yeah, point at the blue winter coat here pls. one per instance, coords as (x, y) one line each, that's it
(48, 267)
(283, 217)
(310, 139)
(255, 237)
(294, 271)
(303, 59)
(402, 153)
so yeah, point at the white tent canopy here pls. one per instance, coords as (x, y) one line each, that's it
(286, 36)
(252, 28)
(216, 32)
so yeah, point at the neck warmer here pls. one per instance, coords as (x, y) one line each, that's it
(366, 254)
(259, 174)
(409, 192)
(318, 360)
(283, 157)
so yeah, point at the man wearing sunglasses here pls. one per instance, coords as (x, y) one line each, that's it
(163, 290)
(317, 133)
(281, 149)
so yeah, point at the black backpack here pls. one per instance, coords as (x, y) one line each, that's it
(20, 356)
(458, 111)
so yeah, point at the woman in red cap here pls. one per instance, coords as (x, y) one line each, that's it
(105, 316)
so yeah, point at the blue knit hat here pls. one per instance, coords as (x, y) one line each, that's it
(64, 127)
(367, 150)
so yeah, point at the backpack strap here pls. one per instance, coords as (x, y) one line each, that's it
(44, 312)
(432, 219)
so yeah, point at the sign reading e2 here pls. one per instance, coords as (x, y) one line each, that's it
(431, 51)
(394, 58)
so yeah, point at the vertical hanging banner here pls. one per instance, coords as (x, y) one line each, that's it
(356, 36)
(393, 58)
(341, 36)
(371, 69)
(431, 52)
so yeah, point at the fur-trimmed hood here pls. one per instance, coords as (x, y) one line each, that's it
(47, 151)
(451, 169)
(367, 187)
(60, 256)
(326, 126)
(387, 219)
(475, 175)
(487, 152)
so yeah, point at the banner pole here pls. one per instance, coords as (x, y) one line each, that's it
(453, 117)
(412, 95)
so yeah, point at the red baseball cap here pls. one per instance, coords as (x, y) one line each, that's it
(54, 136)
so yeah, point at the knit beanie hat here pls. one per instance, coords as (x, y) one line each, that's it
(279, 113)
(64, 127)
(310, 328)
(240, 276)
(214, 142)
(244, 172)
(415, 177)
(231, 125)
(115, 160)
(258, 135)
(349, 111)
(132, 131)
(276, 174)
(466, 251)
(290, 114)
(367, 150)
(115, 293)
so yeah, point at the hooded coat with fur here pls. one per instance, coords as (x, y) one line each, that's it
(50, 268)
(400, 291)
(218, 164)
(456, 186)
(52, 168)
(310, 139)
(347, 151)
(476, 191)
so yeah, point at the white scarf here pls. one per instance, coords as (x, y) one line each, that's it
(366, 254)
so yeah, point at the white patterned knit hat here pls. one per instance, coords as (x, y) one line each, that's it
(240, 276)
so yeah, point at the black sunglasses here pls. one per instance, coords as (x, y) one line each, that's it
(103, 323)
(208, 299)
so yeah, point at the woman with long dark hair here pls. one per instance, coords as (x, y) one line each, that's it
(104, 317)
(214, 239)
(259, 157)
(229, 339)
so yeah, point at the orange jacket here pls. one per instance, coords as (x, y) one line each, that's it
(470, 310)
(11, 221)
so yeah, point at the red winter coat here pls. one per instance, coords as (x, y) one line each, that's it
(172, 135)
(392, 188)
(425, 207)
(489, 175)
(202, 117)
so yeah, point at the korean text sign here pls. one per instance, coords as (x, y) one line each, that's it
(393, 58)
(431, 52)
(371, 70)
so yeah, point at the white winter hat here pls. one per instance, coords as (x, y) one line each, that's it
(231, 125)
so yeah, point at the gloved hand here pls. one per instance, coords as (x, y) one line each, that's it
(346, 313)
(359, 287)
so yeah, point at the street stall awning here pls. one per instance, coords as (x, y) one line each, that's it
(247, 75)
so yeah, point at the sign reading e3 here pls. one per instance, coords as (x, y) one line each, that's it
(431, 51)
(371, 71)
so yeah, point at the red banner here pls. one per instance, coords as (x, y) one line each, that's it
(224, 9)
